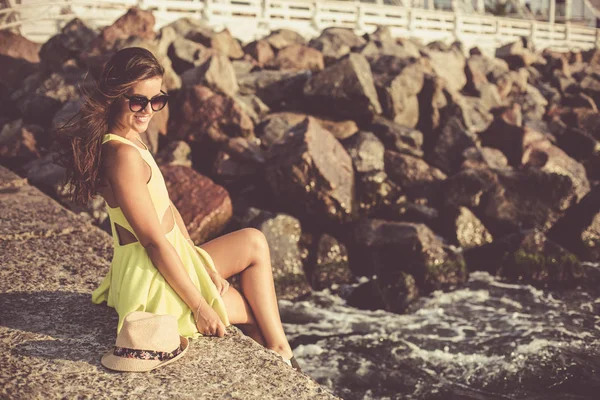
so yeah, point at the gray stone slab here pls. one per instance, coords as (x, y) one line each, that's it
(10, 179)
(74, 261)
(28, 212)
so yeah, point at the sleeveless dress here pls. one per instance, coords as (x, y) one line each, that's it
(133, 283)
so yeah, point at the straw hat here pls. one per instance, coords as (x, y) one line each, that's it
(146, 341)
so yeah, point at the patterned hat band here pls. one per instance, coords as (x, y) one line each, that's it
(127, 352)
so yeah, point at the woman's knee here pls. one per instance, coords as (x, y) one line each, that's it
(257, 240)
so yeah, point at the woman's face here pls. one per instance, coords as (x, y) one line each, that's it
(127, 121)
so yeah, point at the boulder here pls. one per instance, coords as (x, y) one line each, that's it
(205, 207)
(298, 57)
(222, 41)
(345, 89)
(335, 43)
(331, 265)
(277, 89)
(397, 137)
(530, 257)
(412, 174)
(282, 38)
(186, 54)
(73, 39)
(282, 232)
(217, 73)
(311, 173)
(454, 139)
(261, 51)
(392, 249)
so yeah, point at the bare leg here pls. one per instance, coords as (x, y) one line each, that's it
(240, 314)
(246, 252)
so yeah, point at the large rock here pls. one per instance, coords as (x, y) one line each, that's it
(335, 43)
(217, 73)
(135, 22)
(454, 139)
(311, 173)
(203, 112)
(415, 176)
(51, 260)
(579, 229)
(186, 54)
(298, 57)
(19, 47)
(530, 257)
(221, 41)
(283, 233)
(507, 200)
(261, 51)
(344, 90)
(73, 39)
(450, 66)
(391, 249)
(18, 144)
(398, 81)
(277, 89)
(331, 264)
(205, 207)
(397, 137)
(282, 38)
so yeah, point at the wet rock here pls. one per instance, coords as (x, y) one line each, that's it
(398, 81)
(544, 155)
(507, 200)
(454, 139)
(72, 40)
(331, 265)
(18, 144)
(311, 172)
(367, 296)
(335, 43)
(282, 232)
(579, 229)
(205, 207)
(527, 256)
(282, 38)
(462, 228)
(261, 51)
(216, 73)
(298, 57)
(397, 137)
(177, 152)
(392, 249)
(415, 176)
(277, 89)
(345, 89)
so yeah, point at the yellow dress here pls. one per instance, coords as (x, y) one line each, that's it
(133, 283)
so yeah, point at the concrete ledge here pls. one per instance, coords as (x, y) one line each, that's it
(52, 336)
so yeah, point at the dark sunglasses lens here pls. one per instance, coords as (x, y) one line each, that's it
(158, 103)
(136, 104)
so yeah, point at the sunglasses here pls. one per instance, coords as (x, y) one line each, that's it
(138, 103)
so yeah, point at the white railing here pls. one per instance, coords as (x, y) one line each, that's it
(249, 19)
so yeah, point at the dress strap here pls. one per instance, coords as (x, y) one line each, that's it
(112, 136)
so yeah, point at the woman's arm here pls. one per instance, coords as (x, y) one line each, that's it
(125, 172)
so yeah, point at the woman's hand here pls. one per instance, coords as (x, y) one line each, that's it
(221, 284)
(208, 322)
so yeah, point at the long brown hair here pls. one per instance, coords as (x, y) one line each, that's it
(77, 145)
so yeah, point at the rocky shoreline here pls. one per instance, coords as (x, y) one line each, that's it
(355, 155)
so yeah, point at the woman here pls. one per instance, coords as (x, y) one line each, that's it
(156, 267)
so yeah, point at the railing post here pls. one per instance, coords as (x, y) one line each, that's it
(410, 24)
(315, 18)
(457, 26)
(533, 33)
(359, 17)
(207, 10)
(568, 33)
